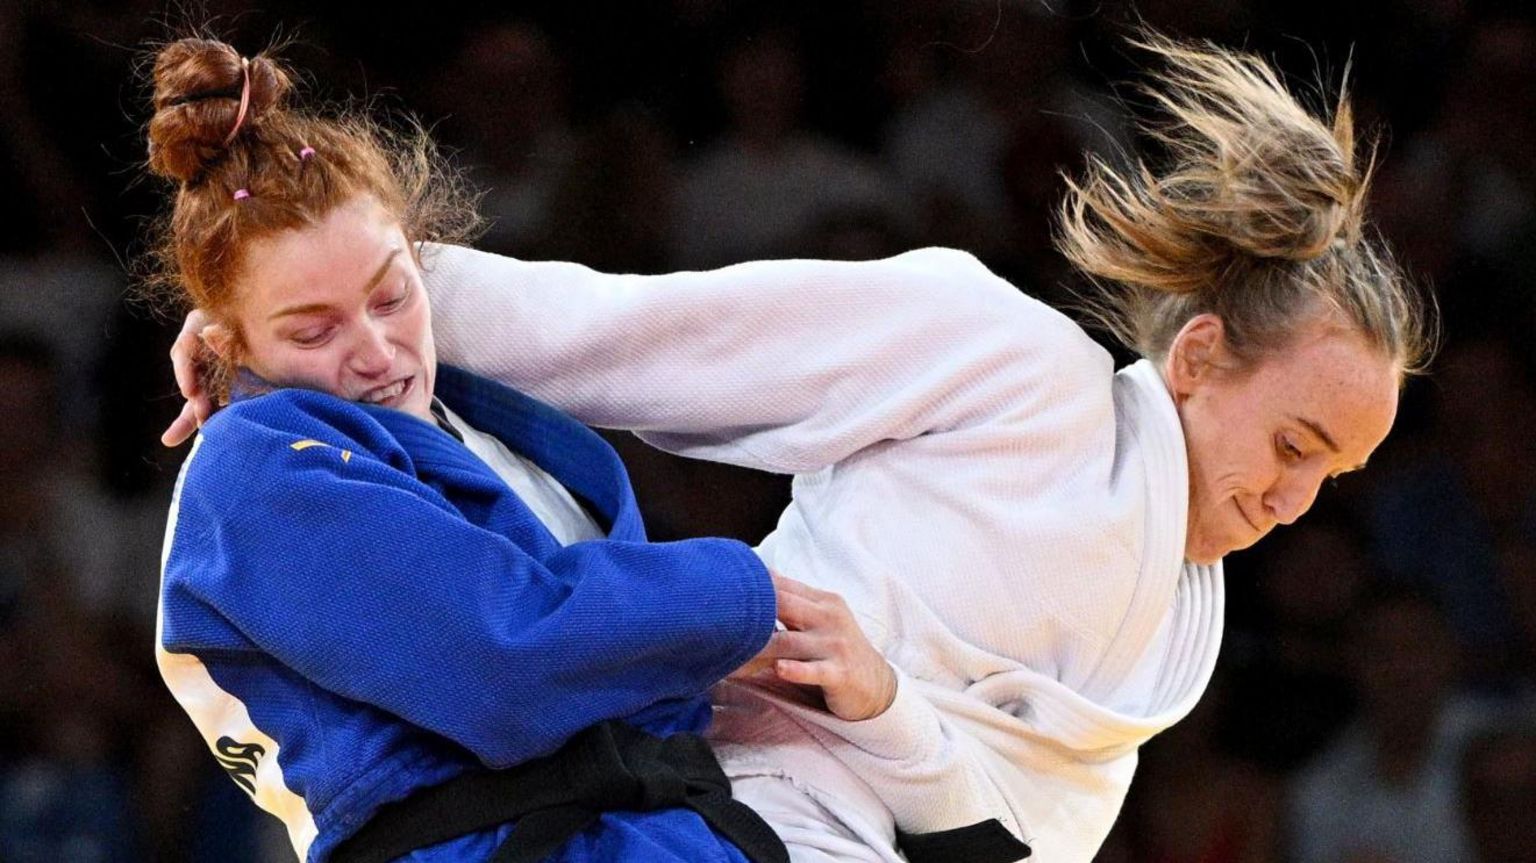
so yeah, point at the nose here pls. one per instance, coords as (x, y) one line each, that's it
(1291, 497)
(373, 353)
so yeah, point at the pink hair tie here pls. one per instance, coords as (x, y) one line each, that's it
(245, 99)
(242, 194)
(306, 153)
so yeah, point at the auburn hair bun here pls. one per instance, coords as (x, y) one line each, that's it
(198, 87)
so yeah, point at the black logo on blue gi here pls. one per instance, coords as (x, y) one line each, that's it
(239, 760)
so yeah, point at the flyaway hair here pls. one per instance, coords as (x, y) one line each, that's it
(1256, 213)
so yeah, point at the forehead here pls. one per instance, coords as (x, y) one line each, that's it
(1333, 377)
(316, 263)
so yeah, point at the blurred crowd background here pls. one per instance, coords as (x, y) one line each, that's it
(1373, 702)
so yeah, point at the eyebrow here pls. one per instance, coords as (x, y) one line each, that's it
(1328, 441)
(1322, 435)
(309, 308)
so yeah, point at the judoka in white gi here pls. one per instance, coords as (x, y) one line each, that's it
(1032, 539)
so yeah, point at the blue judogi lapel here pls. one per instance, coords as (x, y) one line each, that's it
(570, 452)
(573, 454)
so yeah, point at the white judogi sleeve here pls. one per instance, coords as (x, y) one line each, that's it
(926, 771)
(787, 366)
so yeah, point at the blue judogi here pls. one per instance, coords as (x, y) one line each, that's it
(354, 606)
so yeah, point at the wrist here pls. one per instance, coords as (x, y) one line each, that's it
(884, 699)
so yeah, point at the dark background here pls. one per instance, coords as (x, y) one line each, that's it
(1373, 699)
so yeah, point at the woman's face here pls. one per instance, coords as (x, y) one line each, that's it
(339, 307)
(1262, 440)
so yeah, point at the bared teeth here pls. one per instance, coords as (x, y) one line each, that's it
(386, 393)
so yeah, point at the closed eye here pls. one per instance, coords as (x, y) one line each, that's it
(1289, 449)
(396, 302)
(311, 338)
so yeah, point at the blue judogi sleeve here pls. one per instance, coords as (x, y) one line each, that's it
(303, 527)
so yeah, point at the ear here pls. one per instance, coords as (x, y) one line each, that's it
(1197, 352)
(220, 340)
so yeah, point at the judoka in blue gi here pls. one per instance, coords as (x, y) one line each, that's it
(413, 613)
(355, 606)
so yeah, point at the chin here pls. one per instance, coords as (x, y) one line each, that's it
(1208, 555)
(1208, 552)
(420, 408)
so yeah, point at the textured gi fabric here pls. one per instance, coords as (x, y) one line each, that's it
(355, 606)
(1003, 511)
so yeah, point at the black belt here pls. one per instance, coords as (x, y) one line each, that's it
(606, 768)
(983, 842)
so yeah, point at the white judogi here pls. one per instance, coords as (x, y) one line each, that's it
(1004, 513)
